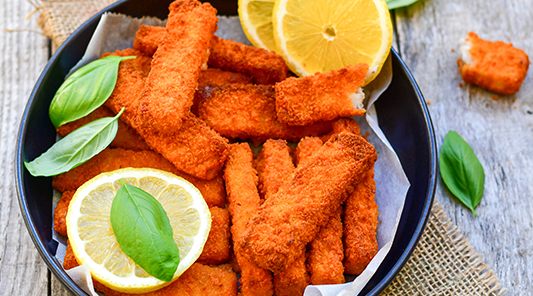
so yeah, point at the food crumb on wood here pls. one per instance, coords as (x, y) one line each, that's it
(495, 66)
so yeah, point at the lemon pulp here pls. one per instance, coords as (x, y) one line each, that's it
(91, 235)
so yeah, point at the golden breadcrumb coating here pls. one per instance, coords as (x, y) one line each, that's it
(274, 166)
(195, 148)
(325, 252)
(288, 220)
(176, 65)
(360, 226)
(241, 186)
(217, 247)
(113, 159)
(320, 97)
(127, 137)
(249, 112)
(60, 212)
(265, 66)
(496, 66)
(148, 38)
(196, 280)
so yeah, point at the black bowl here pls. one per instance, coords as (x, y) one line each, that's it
(402, 112)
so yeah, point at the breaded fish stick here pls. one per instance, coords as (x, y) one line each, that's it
(323, 96)
(197, 280)
(325, 252)
(265, 66)
(217, 247)
(496, 66)
(218, 77)
(112, 159)
(249, 112)
(241, 182)
(343, 125)
(195, 148)
(60, 212)
(274, 167)
(148, 38)
(292, 217)
(126, 138)
(360, 226)
(176, 65)
(221, 77)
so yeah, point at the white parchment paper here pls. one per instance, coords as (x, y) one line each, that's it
(118, 31)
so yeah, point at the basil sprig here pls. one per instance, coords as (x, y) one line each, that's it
(76, 148)
(393, 4)
(85, 90)
(143, 232)
(461, 170)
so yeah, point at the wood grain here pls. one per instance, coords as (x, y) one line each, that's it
(23, 55)
(499, 129)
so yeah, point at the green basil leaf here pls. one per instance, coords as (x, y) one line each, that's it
(143, 232)
(461, 170)
(75, 148)
(85, 90)
(393, 4)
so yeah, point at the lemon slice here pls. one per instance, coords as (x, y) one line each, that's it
(256, 21)
(319, 36)
(91, 235)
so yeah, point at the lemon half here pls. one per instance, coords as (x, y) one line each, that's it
(319, 36)
(256, 21)
(91, 235)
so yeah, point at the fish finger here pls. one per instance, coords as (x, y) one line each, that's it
(292, 217)
(241, 186)
(320, 97)
(176, 66)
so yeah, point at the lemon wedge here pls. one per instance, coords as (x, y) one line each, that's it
(256, 21)
(91, 235)
(320, 36)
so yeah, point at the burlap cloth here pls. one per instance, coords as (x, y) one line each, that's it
(443, 263)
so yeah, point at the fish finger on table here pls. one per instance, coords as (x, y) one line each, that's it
(176, 65)
(265, 66)
(320, 97)
(194, 149)
(113, 159)
(249, 112)
(292, 217)
(496, 66)
(126, 138)
(241, 186)
(325, 252)
(217, 247)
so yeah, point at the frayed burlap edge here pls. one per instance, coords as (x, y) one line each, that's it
(59, 18)
(443, 263)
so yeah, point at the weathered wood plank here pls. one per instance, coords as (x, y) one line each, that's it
(499, 131)
(23, 56)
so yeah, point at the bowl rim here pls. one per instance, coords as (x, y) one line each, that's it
(54, 265)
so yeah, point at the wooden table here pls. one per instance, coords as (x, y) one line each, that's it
(427, 34)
